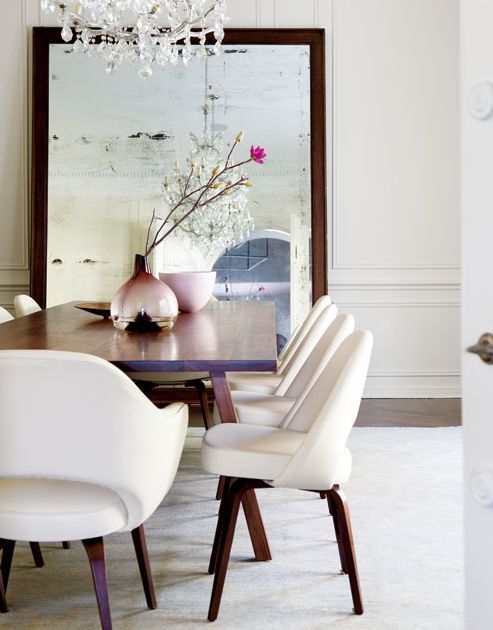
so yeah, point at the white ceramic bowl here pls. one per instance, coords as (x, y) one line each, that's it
(193, 289)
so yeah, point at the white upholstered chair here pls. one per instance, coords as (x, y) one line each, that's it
(80, 472)
(271, 409)
(25, 305)
(266, 382)
(5, 316)
(308, 451)
(306, 340)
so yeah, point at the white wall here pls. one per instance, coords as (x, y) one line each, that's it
(392, 76)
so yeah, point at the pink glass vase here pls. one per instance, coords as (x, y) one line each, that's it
(143, 303)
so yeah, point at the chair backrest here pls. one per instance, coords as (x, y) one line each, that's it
(294, 364)
(75, 417)
(330, 339)
(302, 330)
(327, 415)
(25, 305)
(5, 316)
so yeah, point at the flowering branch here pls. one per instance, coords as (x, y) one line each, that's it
(198, 198)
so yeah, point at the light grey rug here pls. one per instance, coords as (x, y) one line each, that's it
(405, 496)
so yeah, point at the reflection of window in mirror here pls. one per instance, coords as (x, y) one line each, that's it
(260, 268)
(112, 140)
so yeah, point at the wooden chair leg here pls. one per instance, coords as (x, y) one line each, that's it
(140, 545)
(203, 400)
(3, 599)
(237, 491)
(65, 544)
(220, 520)
(37, 555)
(341, 508)
(8, 547)
(232, 503)
(220, 488)
(340, 546)
(95, 552)
(255, 524)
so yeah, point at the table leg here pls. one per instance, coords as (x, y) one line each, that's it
(222, 394)
(253, 518)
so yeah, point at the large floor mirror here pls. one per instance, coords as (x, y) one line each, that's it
(102, 146)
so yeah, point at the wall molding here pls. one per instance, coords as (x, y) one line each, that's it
(391, 285)
(391, 266)
(406, 390)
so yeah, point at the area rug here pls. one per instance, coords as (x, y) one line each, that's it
(406, 503)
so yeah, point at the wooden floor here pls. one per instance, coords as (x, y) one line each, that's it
(409, 412)
(394, 412)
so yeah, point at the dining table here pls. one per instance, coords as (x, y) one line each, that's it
(225, 336)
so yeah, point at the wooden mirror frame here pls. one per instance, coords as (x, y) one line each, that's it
(314, 38)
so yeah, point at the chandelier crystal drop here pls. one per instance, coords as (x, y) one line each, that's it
(132, 30)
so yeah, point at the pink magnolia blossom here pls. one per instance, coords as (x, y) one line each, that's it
(257, 154)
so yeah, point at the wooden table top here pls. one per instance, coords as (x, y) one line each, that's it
(223, 336)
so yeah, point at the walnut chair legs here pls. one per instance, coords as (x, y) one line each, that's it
(234, 493)
(201, 390)
(220, 488)
(37, 555)
(7, 547)
(95, 552)
(3, 600)
(339, 509)
(140, 545)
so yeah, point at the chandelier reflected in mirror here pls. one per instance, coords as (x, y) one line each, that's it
(220, 225)
(145, 31)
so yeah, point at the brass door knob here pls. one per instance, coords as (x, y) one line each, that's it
(484, 348)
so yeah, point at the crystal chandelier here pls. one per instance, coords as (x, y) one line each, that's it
(120, 30)
(225, 222)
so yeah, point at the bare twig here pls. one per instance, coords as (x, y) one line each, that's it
(199, 201)
(149, 228)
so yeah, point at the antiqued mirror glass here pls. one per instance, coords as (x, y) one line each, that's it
(111, 141)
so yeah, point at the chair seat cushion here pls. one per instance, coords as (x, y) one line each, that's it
(48, 510)
(251, 451)
(262, 382)
(255, 408)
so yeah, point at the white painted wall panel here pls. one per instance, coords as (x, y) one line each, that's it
(396, 141)
(266, 13)
(409, 344)
(294, 14)
(243, 13)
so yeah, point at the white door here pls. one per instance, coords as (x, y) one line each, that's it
(477, 300)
